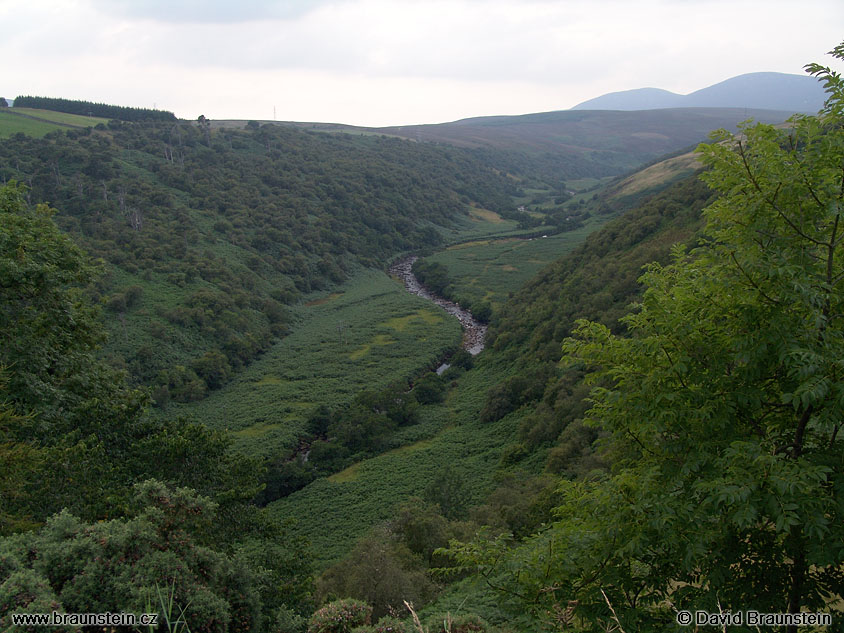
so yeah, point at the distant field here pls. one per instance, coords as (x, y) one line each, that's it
(11, 124)
(478, 223)
(62, 117)
(366, 334)
(491, 269)
(13, 121)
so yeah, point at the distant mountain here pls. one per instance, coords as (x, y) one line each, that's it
(771, 91)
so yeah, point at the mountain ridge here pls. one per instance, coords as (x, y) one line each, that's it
(768, 90)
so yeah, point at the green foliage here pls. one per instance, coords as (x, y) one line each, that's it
(220, 229)
(435, 277)
(73, 437)
(489, 271)
(340, 616)
(429, 389)
(509, 395)
(337, 511)
(367, 335)
(723, 408)
(389, 624)
(468, 623)
(448, 491)
(50, 331)
(380, 572)
(121, 565)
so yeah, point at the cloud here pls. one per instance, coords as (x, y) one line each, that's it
(395, 60)
(209, 11)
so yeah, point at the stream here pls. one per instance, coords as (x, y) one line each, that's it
(473, 331)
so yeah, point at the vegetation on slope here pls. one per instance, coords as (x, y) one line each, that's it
(471, 438)
(721, 406)
(210, 235)
(102, 509)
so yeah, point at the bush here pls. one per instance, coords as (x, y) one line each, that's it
(468, 623)
(430, 389)
(462, 358)
(389, 625)
(380, 571)
(340, 616)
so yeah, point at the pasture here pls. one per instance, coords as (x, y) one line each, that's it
(37, 123)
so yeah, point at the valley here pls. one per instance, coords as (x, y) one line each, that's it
(286, 366)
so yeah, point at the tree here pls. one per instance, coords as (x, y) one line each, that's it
(121, 565)
(724, 406)
(3, 102)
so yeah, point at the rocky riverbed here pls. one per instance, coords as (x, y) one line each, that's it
(473, 331)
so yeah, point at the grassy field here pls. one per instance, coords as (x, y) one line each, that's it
(40, 122)
(335, 512)
(63, 118)
(479, 223)
(11, 124)
(491, 269)
(364, 335)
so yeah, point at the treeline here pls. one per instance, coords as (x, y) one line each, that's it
(88, 108)
(210, 234)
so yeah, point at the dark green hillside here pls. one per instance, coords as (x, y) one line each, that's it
(210, 234)
(597, 280)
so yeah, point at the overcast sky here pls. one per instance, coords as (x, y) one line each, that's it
(388, 62)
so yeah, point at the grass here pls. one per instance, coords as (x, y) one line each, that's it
(484, 215)
(11, 124)
(656, 176)
(477, 224)
(491, 269)
(369, 333)
(336, 511)
(63, 118)
(40, 122)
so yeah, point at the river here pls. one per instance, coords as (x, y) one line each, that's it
(474, 332)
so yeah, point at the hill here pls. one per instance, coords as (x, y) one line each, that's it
(209, 237)
(775, 91)
(574, 144)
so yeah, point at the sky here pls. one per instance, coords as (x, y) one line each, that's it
(393, 62)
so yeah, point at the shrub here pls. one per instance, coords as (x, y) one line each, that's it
(468, 623)
(429, 389)
(389, 625)
(340, 616)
